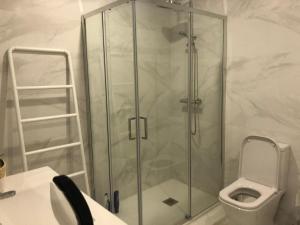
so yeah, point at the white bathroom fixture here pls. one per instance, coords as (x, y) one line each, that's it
(21, 121)
(253, 199)
(33, 203)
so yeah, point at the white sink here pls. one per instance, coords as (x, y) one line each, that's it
(31, 205)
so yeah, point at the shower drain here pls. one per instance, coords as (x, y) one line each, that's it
(170, 201)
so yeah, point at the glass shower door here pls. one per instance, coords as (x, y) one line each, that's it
(121, 104)
(171, 168)
(206, 139)
(163, 80)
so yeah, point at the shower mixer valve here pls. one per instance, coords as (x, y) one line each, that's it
(196, 101)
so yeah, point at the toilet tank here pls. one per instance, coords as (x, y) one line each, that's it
(264, 161)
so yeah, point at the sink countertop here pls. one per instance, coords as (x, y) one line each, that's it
(32, 206)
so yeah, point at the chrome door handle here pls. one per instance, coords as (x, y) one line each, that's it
(129, 128)
(145, 137)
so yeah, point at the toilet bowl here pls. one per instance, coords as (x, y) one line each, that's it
(253, 199)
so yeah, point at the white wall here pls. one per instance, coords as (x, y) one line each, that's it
(54, 24)
(263, 75)
(263, 63)
(50, 24)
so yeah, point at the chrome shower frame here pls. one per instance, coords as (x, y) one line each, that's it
(176, 7)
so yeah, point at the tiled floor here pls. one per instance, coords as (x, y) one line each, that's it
(159, 213)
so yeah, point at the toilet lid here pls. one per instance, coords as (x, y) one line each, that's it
(259, 161)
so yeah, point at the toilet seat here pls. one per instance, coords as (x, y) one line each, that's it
(264, 191)
(255, 197)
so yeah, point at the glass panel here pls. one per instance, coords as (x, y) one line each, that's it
(163, 73)
(122, 110)
(162, 41)
(206, 111)
(94, 44)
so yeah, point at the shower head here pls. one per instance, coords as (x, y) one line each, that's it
(176, 33)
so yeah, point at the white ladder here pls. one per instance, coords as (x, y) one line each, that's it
(21, 121)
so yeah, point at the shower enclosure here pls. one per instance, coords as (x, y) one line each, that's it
(155, 87)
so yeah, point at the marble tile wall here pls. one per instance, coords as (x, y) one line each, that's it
(59, 27)
(122, 101)
(263, 58)
(262, 79)
(216, 6)
(50, 24)
(263, 75)
(162, 64)
(154, 72)
(206, 144)
(153, 50)
(97, 101)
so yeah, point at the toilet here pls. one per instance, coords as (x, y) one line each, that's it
(254, 198)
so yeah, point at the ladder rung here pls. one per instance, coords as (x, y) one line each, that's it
(69, 86)
(77, 173)
(54, 148)
(48, 118)
(43, 87)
